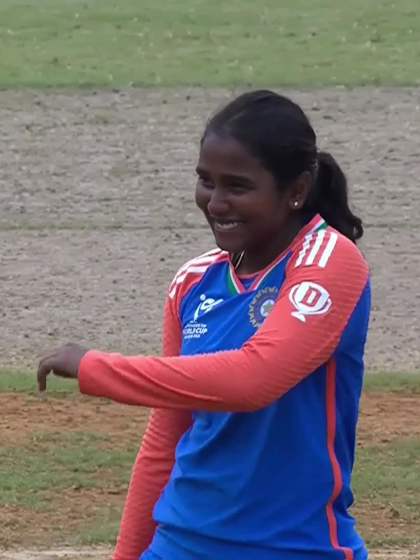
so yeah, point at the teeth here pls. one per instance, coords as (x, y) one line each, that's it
(226, 225)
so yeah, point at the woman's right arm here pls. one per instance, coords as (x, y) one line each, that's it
(150, 474)
(154, 461)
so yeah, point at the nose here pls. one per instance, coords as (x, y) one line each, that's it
(218, 204)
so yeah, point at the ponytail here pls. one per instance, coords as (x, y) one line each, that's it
(278, 133)
(329, 198)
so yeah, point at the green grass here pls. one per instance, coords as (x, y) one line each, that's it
(387, 477)
(79, 43)
(31, 475)
(391, 382)
(389, 474)
(19, 381)
(48, 464)
(102, 530)
(23, 381)
(35, 476)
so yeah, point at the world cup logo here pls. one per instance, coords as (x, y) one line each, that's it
(309, 298)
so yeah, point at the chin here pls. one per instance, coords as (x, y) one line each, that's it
(229, 245)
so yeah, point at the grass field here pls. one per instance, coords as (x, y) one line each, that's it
(77, 43)
(70, 457)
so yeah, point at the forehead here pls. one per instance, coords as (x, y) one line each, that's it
(224, 154)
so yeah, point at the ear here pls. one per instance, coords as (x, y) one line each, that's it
(299, 191)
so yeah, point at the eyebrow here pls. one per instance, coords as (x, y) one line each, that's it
(227, 176)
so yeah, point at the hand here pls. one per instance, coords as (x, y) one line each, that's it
(64, 362)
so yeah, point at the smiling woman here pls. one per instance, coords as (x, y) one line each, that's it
(261, 178)
(249, 450)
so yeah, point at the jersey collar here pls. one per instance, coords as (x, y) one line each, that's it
(234, 283)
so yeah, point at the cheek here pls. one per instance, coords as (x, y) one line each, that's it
(277, 201)
(202, 197)
(272, 211)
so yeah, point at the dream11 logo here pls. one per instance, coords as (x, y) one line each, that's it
(309, 298)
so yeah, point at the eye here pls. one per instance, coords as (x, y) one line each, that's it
(238, 188)
(205, 182)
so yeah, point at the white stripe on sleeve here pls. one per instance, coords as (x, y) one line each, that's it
(302, 252)
(328, 250)
(316, 247)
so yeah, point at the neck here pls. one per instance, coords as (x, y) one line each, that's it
(254, 259)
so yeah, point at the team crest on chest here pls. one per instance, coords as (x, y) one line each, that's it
(262, 305)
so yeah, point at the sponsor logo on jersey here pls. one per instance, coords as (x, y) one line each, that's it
(309, 298)
(262, 305)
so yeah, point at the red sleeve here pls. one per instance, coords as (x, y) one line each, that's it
(154, 461)
(301, 333)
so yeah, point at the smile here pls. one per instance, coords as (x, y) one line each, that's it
(226, 226)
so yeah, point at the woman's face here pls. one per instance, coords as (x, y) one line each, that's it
(240, 198)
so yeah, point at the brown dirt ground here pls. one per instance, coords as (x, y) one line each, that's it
(23, 415)
(97, 213)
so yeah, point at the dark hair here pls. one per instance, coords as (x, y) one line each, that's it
(276, 131)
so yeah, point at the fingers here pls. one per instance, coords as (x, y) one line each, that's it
(64, 361)
(44, 368)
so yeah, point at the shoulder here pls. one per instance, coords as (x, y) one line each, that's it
(326, 271)
(193, 270)
(326, 249)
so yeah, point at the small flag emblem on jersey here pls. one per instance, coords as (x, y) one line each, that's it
(309, 298)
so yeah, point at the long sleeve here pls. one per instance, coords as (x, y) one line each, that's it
(301, 333)
(154, 462)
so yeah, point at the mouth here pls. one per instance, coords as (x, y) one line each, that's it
(226, 225)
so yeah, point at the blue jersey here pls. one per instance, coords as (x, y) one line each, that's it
(273, 372)
(273, 484)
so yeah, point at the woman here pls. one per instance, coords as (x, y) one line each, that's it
(249, 451)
